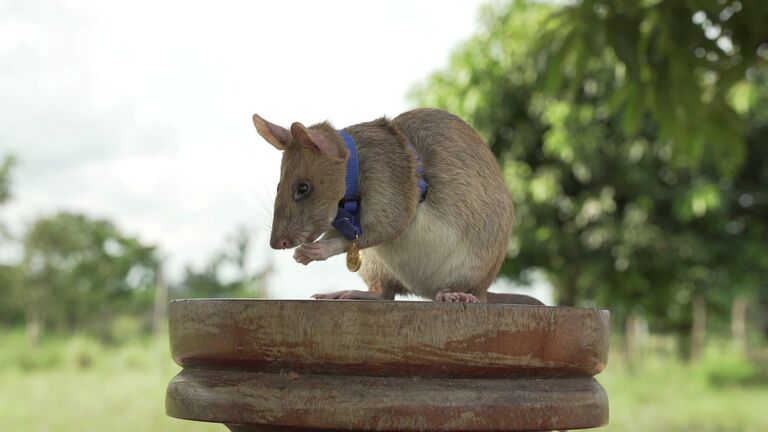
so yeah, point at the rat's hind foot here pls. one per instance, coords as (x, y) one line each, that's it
(454, 297)
(348, 295)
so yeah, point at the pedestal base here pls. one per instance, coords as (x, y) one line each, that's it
(291, 402)
(288, 366)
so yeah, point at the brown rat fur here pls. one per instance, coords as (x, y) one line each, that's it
(449, 247)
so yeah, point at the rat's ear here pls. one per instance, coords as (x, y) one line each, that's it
(315, 141)
(276, 135)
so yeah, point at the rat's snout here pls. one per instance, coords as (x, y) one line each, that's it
(279, 243)
(283, 235)
(280, 240)
(283, 239)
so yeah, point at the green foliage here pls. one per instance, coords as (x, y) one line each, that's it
(5, 186)
(722, 368)
(10, 275)
(5, 177)
(12, 305)
(80, 272)
(603, 205)
(226, 275)
(677, 61)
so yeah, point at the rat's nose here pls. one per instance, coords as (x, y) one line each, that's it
(279, 243)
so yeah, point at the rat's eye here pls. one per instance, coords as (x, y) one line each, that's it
(301, 189)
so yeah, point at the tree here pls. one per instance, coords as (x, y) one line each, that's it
(749, 215)
(604, 205)
(5, 185)
(10, 279)
(227, 274)
(678, 61)
(80, 272)
(11, 307)
(5, 178)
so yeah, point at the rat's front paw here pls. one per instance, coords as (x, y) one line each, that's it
(317, 251)
(304, 255)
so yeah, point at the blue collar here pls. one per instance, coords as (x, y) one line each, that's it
(347, 221)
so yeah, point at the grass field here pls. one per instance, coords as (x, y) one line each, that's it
(79, 385)
(721, 393)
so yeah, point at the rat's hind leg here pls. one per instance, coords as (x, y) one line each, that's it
(382, 284)
(379, 279)
(475, 294)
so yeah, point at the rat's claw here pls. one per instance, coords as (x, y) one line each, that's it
(455, 297)
(301, 257)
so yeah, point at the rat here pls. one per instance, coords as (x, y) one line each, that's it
(430, 213)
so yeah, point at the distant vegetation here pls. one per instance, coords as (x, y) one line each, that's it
(79, 384)
(633, 139)
(82, 274)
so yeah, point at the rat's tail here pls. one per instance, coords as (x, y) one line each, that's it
(519, 299)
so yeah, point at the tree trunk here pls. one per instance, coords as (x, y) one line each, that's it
(34, 314)
(35, 324)
(568, 289)
(699, 326)
(160, 310)
(634, 338)
(739, 323)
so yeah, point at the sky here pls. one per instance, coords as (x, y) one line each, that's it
(140, 112)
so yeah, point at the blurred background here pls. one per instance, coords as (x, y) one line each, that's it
(633, 136)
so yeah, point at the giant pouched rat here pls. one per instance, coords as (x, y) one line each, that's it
(448, 247)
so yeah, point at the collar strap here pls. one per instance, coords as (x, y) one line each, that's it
(420, 180)
(347, 221)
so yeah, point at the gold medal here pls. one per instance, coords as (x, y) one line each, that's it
(353, 257)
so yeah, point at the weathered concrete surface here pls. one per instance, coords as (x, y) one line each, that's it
(387, 404)
(275, 365)
(389, 338)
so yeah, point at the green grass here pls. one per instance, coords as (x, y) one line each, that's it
(77, 384)
(669, 395)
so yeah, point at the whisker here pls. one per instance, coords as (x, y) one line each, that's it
(263, 224)
(260, 195)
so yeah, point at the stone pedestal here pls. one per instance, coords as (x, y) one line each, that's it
(286, 365)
